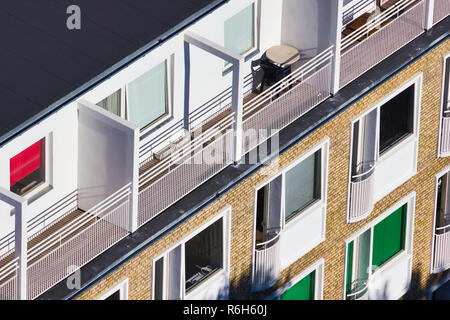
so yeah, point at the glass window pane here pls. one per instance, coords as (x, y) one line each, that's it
(204, 254)
(303, 184)
(302, 290)
(112, 103)
(239, 31)
(396, 118)
(147, 96)
(159, 277)
(114, 296)
(389, 237)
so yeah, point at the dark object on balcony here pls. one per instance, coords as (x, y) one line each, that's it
(276, 63)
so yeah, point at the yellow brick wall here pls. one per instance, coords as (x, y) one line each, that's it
(241, 198)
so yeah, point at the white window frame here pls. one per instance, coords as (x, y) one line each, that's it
(318, 267)
(410, 201)
(441, 109)
(414, 136)
(324, 147)
(436, 180)
(36, 192)
(122, 287)
(124, 104)
(225, 214)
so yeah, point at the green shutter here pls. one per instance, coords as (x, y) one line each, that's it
(302, 290)
(389, 237)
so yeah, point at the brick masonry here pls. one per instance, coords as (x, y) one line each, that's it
(139, 269)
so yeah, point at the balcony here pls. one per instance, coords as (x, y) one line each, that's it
(169, 173)
(441, 10)
(361, 192)
(267, 263)
(441, 259)
(373, 37)
(61, 240)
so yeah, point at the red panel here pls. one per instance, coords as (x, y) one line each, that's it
(25, 163)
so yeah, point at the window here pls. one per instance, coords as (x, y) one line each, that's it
(27, 169)
(203, 254)
(396, 119)
(302, 290)
(373, 248)
(443, 205)
(303, 185)
(446, 88)
(183, 268)
(145, 100)
(240, 31)
(148, 96)
(389, 237)
(118, 292)
(112, 103)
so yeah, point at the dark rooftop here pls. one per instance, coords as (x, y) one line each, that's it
(43, 64)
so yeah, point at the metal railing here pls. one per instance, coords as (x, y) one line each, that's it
(445, 134)
(185, 169)
(441, 10)
(442, 248)
(361, 192)
(360, 290)
(8, 287)
(348, 15)
(78, 242)
(288, 99)
(267, 264)
(379, 38)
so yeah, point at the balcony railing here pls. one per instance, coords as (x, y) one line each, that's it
(441, 10)
(351, 13)
(267, 264)
(380, 37)
(442, 249)
(289, 99)
(360, 290)
(67, 243)
(361, 192)
(445, 134)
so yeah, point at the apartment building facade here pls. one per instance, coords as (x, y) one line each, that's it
(327, 182)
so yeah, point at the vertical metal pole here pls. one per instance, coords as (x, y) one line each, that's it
(336, 14)
(237, 107)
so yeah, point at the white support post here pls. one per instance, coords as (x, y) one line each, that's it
(134, 196)
(429, 9)
(237, 97)
(20, 233)
(336, 24)
(237, 101)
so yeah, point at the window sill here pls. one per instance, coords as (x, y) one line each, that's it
(397, 258)
(397, 145)
(35, 195)
(221, 273)
(313, 207)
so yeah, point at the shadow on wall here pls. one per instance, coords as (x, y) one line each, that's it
(240, 287)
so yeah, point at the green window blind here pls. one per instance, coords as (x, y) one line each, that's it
(302, 290)
(389, 237)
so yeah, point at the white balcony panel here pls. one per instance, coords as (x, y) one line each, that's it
(361, 198)
(395, 167)
(441, 10)
(391, 281)
(358, 57)
(266, 264)
(445, 137)
(215, 288)
(442, 251)
(301, 235)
